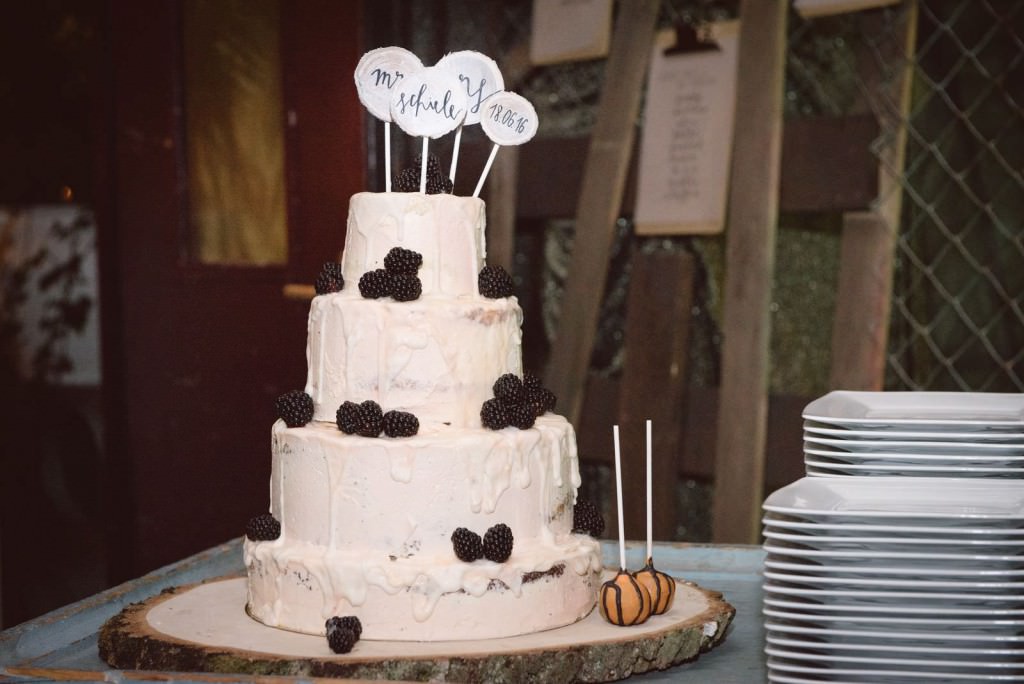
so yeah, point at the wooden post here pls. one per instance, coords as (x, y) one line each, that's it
(749, 263)
(654, 386)
(860, 331)
(604, 179)
(501, 208)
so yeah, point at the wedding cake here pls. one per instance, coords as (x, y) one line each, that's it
(365, 524)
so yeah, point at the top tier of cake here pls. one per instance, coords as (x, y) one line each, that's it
(447, 230)
(436, 357)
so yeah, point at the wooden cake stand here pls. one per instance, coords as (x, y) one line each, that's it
(204, 628)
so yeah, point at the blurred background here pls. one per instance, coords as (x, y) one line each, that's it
(169, 167)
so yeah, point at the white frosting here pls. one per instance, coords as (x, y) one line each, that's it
(366, 523)
(366, 529)
(436, 357)
(447, 230)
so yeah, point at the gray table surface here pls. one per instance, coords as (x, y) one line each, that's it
(62, 645)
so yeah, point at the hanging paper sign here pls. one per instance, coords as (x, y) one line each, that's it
(378, 72)
(509, 119)
(686, 144)
(429, 103)
(479, 76)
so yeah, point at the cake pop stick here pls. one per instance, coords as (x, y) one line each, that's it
(480, 77)
(377, 73)
(624, 601)
(428, 104)
(509, 119)
(660, 586)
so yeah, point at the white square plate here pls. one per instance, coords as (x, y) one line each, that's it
(950, 411)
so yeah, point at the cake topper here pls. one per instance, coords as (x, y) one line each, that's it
(428, 103)
(508, 119)
(661, 586)
(624, 600)
(481, 78)
(377, 72)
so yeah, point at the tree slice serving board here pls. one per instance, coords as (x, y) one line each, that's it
(204, 628)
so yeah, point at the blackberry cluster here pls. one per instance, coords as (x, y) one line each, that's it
(494, 282)
(263, 527)
(295, 408)
(408, 180)
(397, 279)
(330, 279)
(517, 402)
(497, 545)
(343, 633)
(400, 424)
(467, 544)
(368, 420)
(587, 518)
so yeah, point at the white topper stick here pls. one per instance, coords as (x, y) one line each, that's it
(650, 544)
(376, 74)
(508, 119)
(481, 78)
(618, 498)
(423, 166)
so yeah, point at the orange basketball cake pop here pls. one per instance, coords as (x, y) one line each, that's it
(624, 601)
(662, 587)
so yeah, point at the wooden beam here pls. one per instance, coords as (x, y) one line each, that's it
(501, 208)
(654, 385)
(604, 180)
(749, 263)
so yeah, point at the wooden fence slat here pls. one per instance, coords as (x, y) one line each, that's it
(604, 179)
(654, 386)
(749, 262)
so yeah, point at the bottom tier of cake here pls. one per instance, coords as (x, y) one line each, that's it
(543, 586)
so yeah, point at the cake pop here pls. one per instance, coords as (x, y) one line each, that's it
(624, 600)
(661, 586)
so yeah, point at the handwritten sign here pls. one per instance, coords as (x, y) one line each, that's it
(509, 119)
(378, 72)
(479, 76)
(686, 143)
(429, 103)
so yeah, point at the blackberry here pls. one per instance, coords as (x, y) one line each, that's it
(494, 415)
(509, 389)
(348, 417)
(467, 545)
(330, 279)
(263, 527)
(587, 518)
(400, 424)
(295, 408)
(531, 381)
(433, 164)
(371, 419)
(350, 622)
(341, 640)
(521, 416)
(497, 543)
(401, 260)
(405, 288)
(540, 400)
(407, 180)
(375, 284)
(494, 282)
(439, 185)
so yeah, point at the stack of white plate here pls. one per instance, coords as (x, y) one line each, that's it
(901, 557)
(915, 434)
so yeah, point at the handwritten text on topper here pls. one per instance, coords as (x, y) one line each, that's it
(480, 78)
(428, 103)
(509, 119)
(378, 72)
